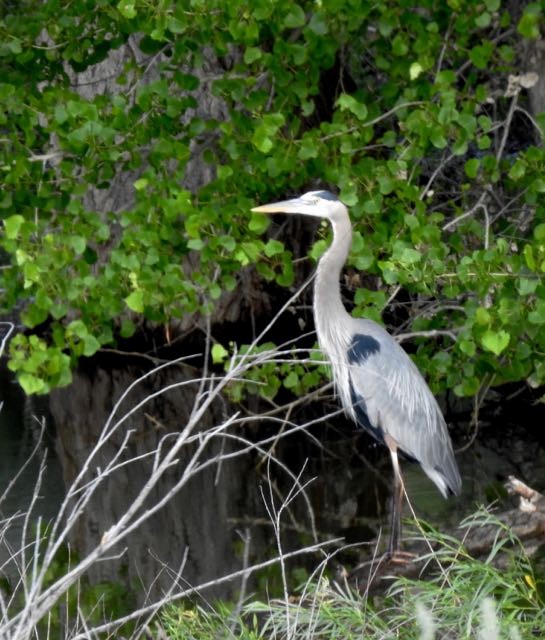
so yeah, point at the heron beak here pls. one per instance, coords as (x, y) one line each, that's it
(296, 205)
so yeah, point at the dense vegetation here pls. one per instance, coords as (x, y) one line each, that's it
(417, 116)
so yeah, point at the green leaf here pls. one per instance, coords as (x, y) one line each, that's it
(318, 249)
(318, 25)
(495, 341)
(273, 247)
(262, 141)
(492, 5)
(32, 316)
(295, 17)
(349, 103)
(415, 70)
(219, 353)
(127, 9)
(471, 168)
(6, 200)
(482, 316)
(410, 256)
(400, 46)
(127, 328)
(468, 347)
(252, 54)
(60, 114)
(196, 244)
(14, 45)
(264, 132)
(438, 138)
(528, 254)
(78, 243)
(77, 328)
(386, 25)
(539, 232)
(90, 345)
(373, 205)
(309, 148)
(518, 170)
(349, 195)
(527, 286)
(12, 226)
(135, 301)
(271, 122)
(291, 380)
(537, 315)
(528, 25)
(259, 223)
(538, 185)
(480, 55)
(31, 384)
(175, 25)
(483, 20)
(141, 184)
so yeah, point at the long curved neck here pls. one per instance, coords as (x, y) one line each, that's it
(328, 306)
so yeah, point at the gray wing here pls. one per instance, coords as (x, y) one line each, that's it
(387, 388)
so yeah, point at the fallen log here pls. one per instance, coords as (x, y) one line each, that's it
(477, 538)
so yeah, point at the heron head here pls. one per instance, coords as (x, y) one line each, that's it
(322, 204)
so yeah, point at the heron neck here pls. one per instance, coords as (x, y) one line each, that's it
(327, 291)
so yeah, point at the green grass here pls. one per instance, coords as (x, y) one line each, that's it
(500, 597)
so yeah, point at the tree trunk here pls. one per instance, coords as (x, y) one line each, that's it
(195, 521)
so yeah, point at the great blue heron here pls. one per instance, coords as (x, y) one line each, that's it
(380, 387)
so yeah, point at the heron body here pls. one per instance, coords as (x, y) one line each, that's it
(379, 386)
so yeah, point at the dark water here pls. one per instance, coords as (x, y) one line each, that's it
(25, 445)
(348, 480)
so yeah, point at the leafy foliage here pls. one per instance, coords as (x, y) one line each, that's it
(405, 111)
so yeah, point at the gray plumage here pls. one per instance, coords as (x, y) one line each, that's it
(379, 385)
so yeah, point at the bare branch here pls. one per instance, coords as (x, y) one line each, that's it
(478, 205)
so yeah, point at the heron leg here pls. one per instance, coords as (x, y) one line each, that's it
(397, 503)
